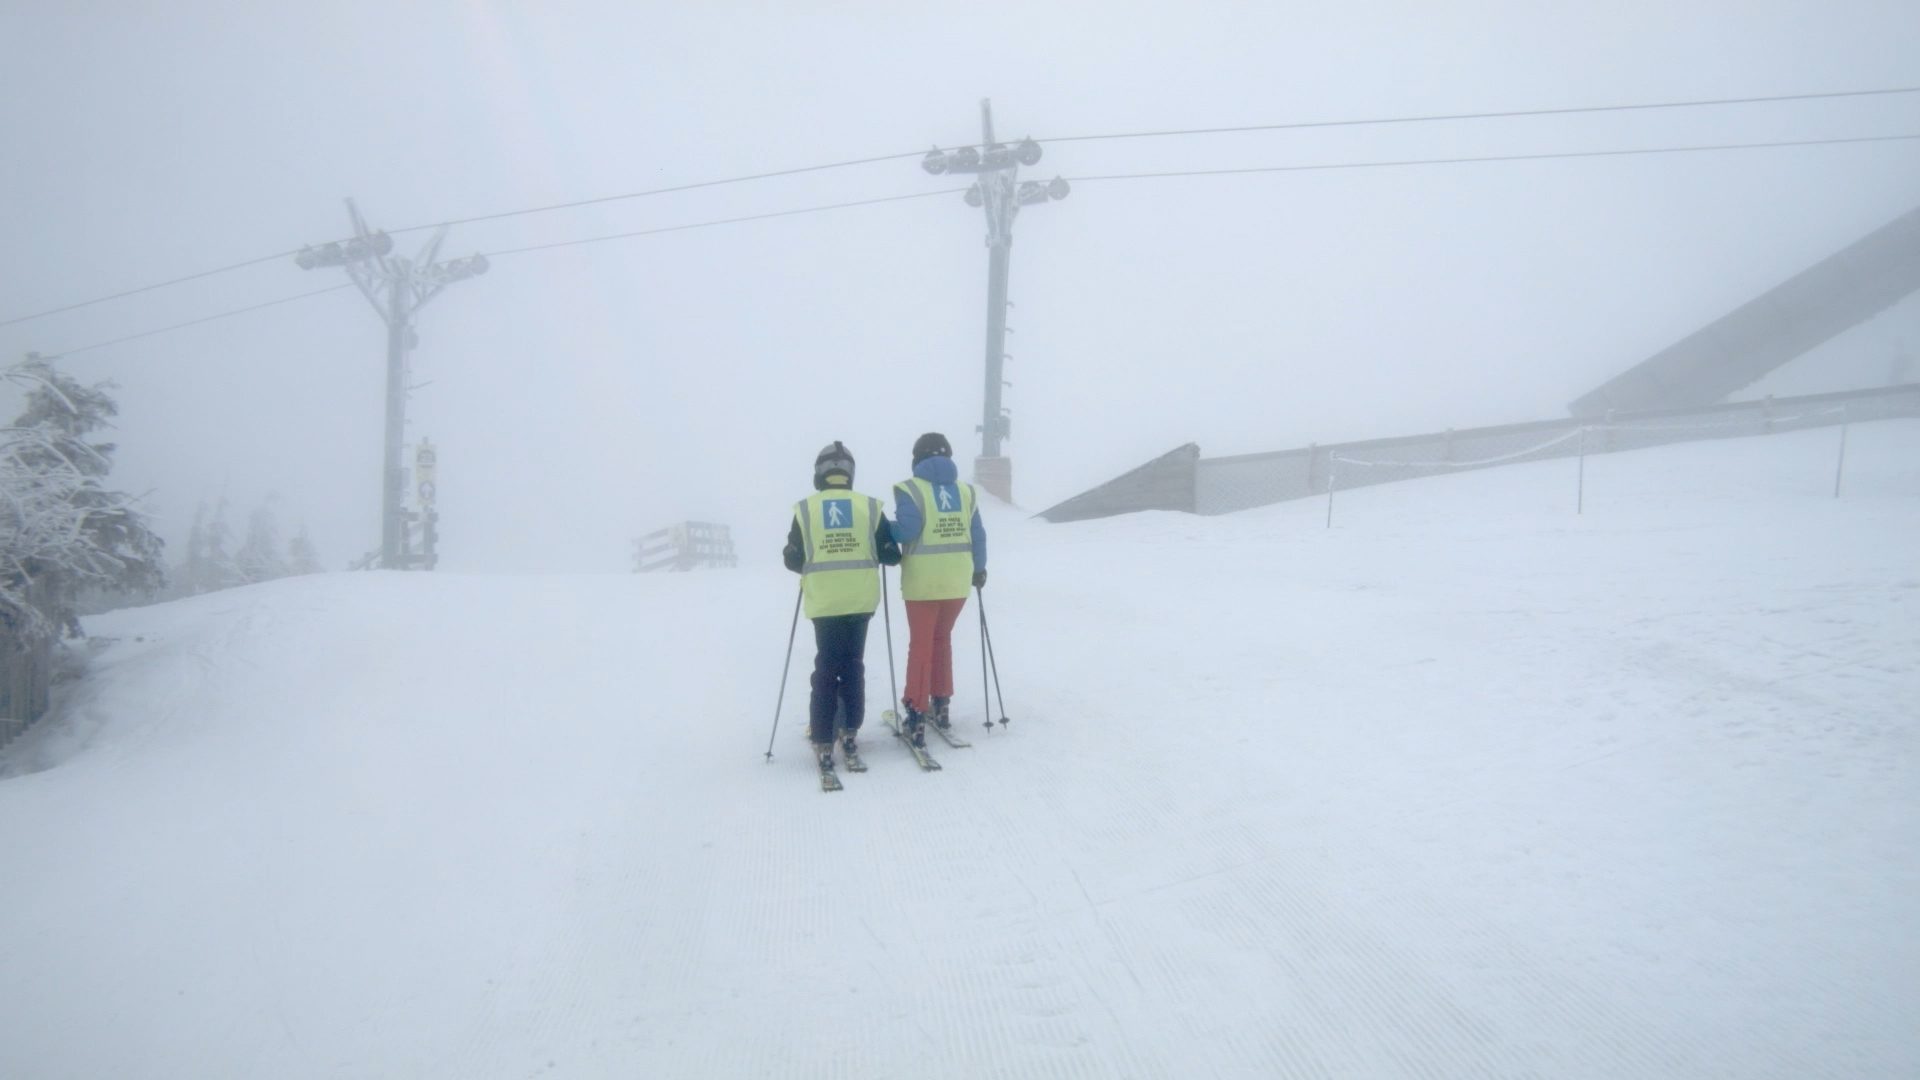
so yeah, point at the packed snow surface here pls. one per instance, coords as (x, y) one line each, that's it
(1467, 785)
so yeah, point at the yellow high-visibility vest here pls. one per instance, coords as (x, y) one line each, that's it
(938, 564)
(840, 574)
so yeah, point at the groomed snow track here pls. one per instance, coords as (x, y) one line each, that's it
(1466, 786)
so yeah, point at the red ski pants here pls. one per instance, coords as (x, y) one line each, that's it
(930, 649)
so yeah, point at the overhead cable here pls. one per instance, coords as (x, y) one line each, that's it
(197, 322)
(1296, 125)
(1408, 162)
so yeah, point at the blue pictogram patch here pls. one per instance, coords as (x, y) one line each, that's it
(837, 513)
(946, 498)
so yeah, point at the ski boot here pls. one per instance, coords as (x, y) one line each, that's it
(913, 723)
(850, 753)
(937, 712)
(829, 780)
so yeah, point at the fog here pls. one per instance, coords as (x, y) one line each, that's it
(583, 395)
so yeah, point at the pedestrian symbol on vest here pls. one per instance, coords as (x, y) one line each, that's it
(838, 513)
(946, 497)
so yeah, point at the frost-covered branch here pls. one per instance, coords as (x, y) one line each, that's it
(61, 529)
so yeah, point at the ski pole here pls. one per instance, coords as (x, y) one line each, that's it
(982, 608)
(987, 633)
(784, 665)
(886, 611)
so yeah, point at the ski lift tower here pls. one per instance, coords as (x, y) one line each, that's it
(397, 288)
(1001, 193)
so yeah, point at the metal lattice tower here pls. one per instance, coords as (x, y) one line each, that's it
(1001, 193)
(397, 288)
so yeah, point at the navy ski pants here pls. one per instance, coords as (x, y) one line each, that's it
(839, 673)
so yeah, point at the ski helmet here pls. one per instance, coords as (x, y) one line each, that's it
(833, 458)
(932, 444)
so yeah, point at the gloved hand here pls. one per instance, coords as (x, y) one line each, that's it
(793, 557)
(979, 579)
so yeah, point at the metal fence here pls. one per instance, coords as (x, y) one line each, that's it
(683, 547)
(1183, 480)
(26, 680)
(26, 670)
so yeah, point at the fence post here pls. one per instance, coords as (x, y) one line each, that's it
(9, 694)
(1580, 498)
(1840, 467)
(1332, 472)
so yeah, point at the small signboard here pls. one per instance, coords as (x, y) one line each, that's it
(425, 468)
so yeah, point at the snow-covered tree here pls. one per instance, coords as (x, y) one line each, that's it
(259, 556)
(196, 564)
(189, 577)
(302, 558)
(213, 563)
(222, 569)
(61, 529)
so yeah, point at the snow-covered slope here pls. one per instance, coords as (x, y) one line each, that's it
(1463, 786)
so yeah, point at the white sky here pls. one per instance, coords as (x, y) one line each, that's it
(582, 396)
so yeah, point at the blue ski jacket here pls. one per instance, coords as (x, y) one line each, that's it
(906, 516)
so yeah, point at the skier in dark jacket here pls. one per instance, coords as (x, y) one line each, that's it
(837, 543)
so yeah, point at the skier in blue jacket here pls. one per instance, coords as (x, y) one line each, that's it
(943, 549)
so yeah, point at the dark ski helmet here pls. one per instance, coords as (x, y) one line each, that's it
(833, 458)
(932, 444)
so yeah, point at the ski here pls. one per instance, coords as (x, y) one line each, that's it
(892, 720)
(828, 781)
(948, 733)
